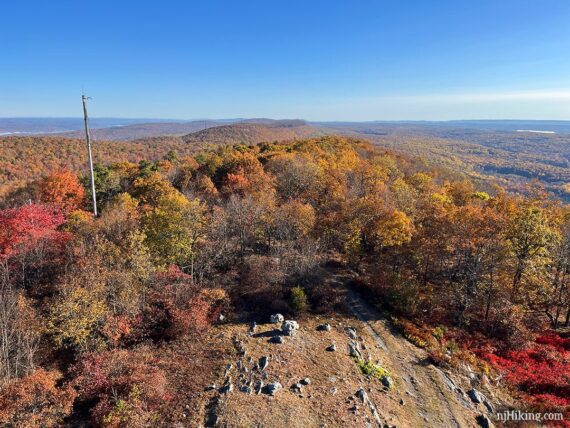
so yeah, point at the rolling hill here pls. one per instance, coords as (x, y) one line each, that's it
(510, 158)
(254, 132)
(25, 158)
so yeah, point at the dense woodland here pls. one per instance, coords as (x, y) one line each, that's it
(474, 277)
(27, 158)
(511, 159)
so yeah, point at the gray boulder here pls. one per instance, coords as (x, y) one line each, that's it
(387, 381)
(276, 339)
(484, 422)
(361, 394)
(354, 350)
(246, 389)
(263, 363)
(252, 327)
(276, 318)
(476, 396)
(331, 348)
(306, 381)
(272, 388)
(296, 386)
(227, 388)
(352, 333)
(324, 327)
(289, 327)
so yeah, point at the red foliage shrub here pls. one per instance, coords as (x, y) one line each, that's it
(175, 306)
(31, 243)
(21, 228)
(555, 341)
(541, 372)
(117, 328)
(35, 400)
(124, 388)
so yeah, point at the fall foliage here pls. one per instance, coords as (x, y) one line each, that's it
(240, 229)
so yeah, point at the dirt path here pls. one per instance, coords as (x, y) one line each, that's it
(430, 393)
(408, 363)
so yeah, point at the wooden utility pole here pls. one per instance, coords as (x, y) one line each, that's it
(89, 157)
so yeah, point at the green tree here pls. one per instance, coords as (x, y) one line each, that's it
(298, 299)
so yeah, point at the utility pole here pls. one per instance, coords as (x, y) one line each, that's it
(89, 157)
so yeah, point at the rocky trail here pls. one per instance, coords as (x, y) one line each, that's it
(431, 393)
(337, 371)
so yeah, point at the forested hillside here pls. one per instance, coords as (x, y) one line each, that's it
(28, 157)
(23, 159)
(509, 158)
(253, 133)
(125, 319)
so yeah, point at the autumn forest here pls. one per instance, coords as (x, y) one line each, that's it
(233, 233)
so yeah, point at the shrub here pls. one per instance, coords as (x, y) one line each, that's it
(298, 299)
(77, 314)
(541, 372)
(126, 387)
(176, 306)
(35, 400)
(413, 333)
(370, 369)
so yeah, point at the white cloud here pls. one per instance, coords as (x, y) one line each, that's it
(477, 97)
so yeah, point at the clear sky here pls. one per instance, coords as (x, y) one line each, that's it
(311, 59)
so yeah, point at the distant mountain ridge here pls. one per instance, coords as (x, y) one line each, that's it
(254, 132)
(143, 130)
(117, 129)
(49, 125)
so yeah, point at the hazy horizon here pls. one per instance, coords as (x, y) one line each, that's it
(54, 125)
(221, 119)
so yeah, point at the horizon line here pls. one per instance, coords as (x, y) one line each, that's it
(179, 120)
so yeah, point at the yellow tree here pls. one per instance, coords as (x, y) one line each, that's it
(392, 229)
(530, 235)
(173, 226)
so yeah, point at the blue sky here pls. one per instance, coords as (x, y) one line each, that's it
(311, 59)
